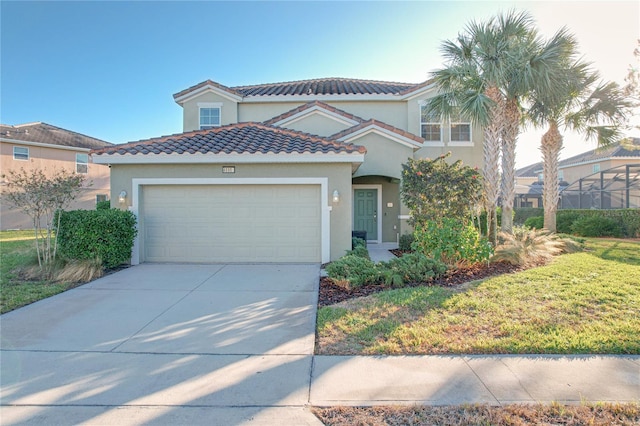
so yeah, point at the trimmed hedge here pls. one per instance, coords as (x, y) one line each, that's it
(535, 222)
(627, 219)
(596, 226)
(97, 234)
(523, 213)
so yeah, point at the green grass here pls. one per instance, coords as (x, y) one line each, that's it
(17, 249)
(580, 303)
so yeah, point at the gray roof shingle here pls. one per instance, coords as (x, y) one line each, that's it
(46, 133)
(241, 138)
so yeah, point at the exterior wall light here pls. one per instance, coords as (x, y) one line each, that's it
(122, 197)
(336, 196)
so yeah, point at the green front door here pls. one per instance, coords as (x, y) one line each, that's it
(365, 215)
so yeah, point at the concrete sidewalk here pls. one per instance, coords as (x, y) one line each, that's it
(494, 380)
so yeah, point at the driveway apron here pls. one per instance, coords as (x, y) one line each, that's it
(165, 344)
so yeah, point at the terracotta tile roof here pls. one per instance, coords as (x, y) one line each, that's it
(241, 138)
(310, 105)
(326, 86)
(380, 124)
(46, 133)
(318, 86)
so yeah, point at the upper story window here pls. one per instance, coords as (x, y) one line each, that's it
(430, 127)
(210, 114)
(561, 175)
(82, 163)
(596, 168)
(460, 130)
(20, 153)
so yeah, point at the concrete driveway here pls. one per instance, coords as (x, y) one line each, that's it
(165, 344)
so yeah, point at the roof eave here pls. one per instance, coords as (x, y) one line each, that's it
(227, 158)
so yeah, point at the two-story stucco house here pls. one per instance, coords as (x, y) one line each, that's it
(50, 148)
(280, 172)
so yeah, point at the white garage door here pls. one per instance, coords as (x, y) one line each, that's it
(231, 223)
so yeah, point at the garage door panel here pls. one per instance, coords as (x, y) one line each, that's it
(231, 223)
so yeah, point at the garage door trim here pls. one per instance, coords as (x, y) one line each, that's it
(324, 201)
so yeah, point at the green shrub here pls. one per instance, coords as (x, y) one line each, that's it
(357, 242)
(353, 271)
(523, 213)
(360, 251)
(412, 267)
(97, 234)
(103, 205)
(406, 240)
(536, 222)
(596, 226)
(564, 221)
(451, 242)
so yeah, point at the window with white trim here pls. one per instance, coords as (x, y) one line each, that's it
(596, 168)
(20, 153)
(430, 126)
(210, 114)
(82, 163)
(460, 129)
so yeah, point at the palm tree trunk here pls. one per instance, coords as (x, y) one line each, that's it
(509, 139)
(491, 155)
(550, 146)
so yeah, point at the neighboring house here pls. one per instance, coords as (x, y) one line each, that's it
(280, 172)
(49, 148)
(612, 169)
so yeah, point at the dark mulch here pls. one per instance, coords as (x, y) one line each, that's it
(331, 293)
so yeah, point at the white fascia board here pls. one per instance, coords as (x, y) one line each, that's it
(320, 111)
(45, 145)
(382, 132)
(419, 92)
(208, 88)
(311, 98)
(225, 158)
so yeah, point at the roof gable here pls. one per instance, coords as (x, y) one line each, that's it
(383, 129)
(315, 107)
(43, 133)
(207, 86)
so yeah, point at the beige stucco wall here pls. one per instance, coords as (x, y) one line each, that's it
(338, 174)
(191, 111)
(384, 157)
(49, 160)
(317, 124)
(470, 155)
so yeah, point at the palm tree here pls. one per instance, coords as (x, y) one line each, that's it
(479, 64)
(578, 106)
(490, 69)
(535, 67)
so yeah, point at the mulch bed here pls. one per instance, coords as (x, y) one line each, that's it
(331, 293)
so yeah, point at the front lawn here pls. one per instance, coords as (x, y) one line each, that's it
(18, 250)
(580, 303)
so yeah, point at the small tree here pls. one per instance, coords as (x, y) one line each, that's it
(434, 189)
(442, 198)
(40, 196)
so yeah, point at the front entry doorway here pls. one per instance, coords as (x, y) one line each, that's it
(365, 214)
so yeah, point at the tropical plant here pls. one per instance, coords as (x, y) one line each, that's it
(580, 104)
(529, 247)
